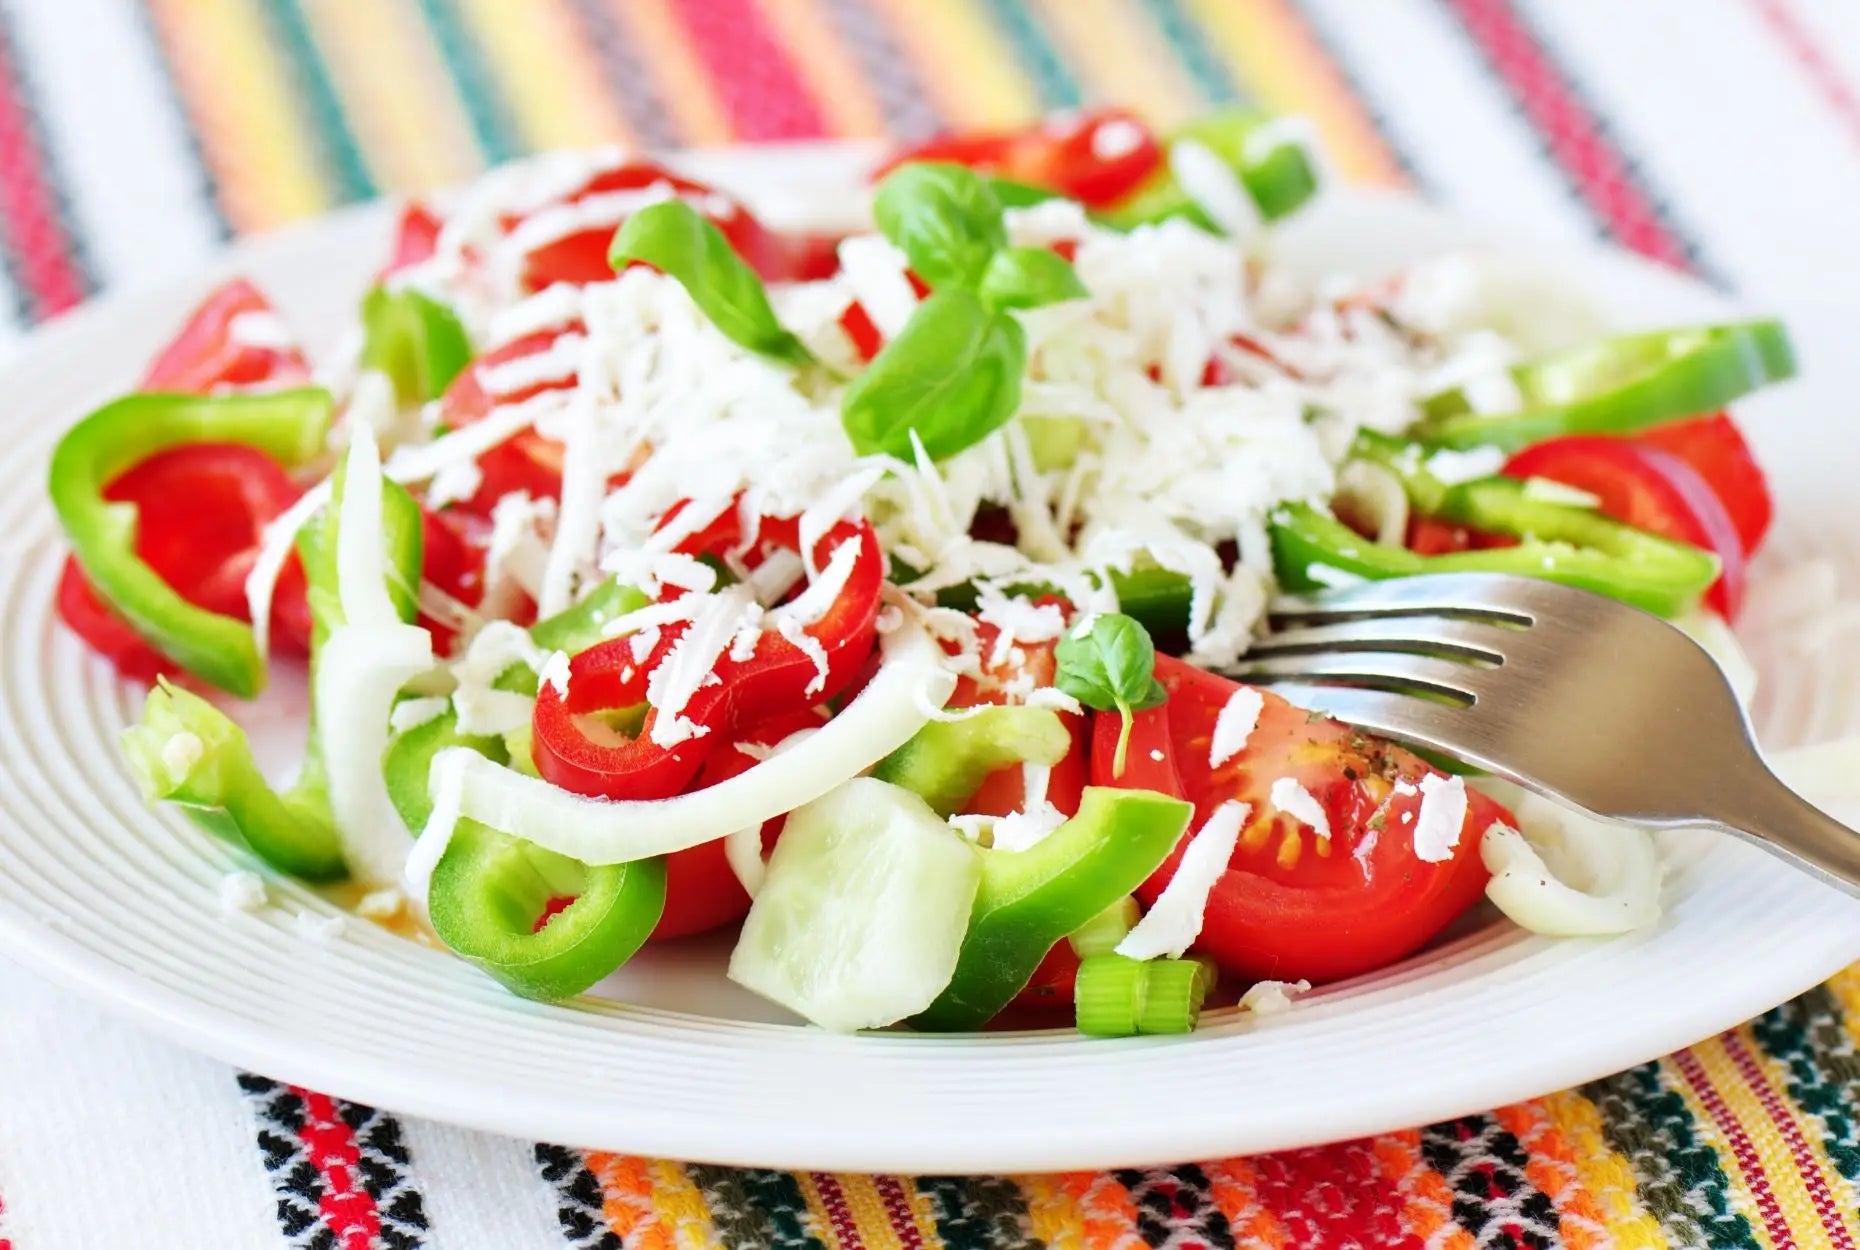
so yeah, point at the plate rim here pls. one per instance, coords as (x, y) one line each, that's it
(199, 1025)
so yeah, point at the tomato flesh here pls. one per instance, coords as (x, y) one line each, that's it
(215, 349)
(1097, 157)
(1715, 448)
(1650, 489)
(201, 511)
(1292, 904)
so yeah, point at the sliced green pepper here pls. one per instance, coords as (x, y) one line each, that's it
(289, 426)
(403, 533)
(1558, 542)
(1158, 598)
(946, 761)
(493, 901)
(1279, 177)
(416, 341)
(1031, 899)
(187, 751)
(1619, 385)
(573, 629)
(408, 764)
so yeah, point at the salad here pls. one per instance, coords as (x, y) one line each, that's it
(657, 572)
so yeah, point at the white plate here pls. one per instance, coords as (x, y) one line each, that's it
(103, 896)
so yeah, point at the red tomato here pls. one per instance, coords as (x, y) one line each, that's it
(1649, 489)
(701, 889)
(416, 238)
(201, 511)
(1291, 904)
(859, 327)
(1046, 1002)
(580, 257)
(217, 350)
(1005, 790)
(454, 564)
(1097, 158)
(527, 461)
(801, 257)
(1716, 450)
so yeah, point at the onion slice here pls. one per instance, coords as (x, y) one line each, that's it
(466, 785)
(359, 669)
(1566, 874)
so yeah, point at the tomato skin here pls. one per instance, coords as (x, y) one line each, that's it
(1650, 489)
(416, 238)
(1005, 790)
(526, 461)
(1097, 157)
(1715, 448)
(205, 356)
(1329, 913)
(201, 510)
(701, 889)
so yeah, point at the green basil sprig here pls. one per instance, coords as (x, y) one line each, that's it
(1112, 668)
(944, 218)
(953, 373)
(683, 244)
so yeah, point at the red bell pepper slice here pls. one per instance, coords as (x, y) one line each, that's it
(216, 351)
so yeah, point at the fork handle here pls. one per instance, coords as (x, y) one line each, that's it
(1781, 821)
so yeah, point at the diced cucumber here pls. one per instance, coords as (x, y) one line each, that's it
(862, 914)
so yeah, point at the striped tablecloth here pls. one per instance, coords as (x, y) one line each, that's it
(1719, 136)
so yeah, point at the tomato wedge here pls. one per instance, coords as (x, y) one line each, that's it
(231, 340)
(527, 461)
(201, 512)
(580, 255)
(1650, 489)
(1097, 157)
(702, 891)
(1291, 904)
(1005, 790)
(1716, 450)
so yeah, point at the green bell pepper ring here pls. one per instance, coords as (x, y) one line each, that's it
(573, 629)
(1031, 899)
(187, 751)
(403, 532)
(947, 761)
(290, 426)
(1279, 177)
(1619, 385)
(493, 901)
(408, 764)
(416, 341)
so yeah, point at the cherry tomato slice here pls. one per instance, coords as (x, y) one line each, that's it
(1292, 904)
(1649, 489)
(227, 342)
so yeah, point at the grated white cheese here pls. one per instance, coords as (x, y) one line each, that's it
(1301, 805)
(604, 210)
(1269, 998)
(690, 662)
(242, 891)
(482, 709)
(1023, 830)
(412, 713)
(1453, 467)
(1235, 724)
(555, 305)
(1443, 812)
(1173, 922)
(265, 330)
(824, 590)
(274, 551)
(578, 523)
(554, 673)
(318, 930)
(384, 904)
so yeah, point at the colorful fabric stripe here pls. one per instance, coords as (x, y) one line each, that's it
(1574, 134)
(1493, 1199)
(330, 137)
(624, 76)
(46, 264)
(1840, 96)
(907, 109)
(339, 1170)
(765, 97)
(482, 97)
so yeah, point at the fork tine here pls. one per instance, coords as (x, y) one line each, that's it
(1472, 640)
(1441, 727)
(1493, 596)
(1397, 671)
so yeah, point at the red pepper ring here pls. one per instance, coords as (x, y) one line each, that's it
(780, 674)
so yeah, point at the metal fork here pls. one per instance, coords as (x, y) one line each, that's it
(1558, 689)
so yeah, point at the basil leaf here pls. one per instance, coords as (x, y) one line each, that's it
(944, 218)
(1112, 667)
(1029, 277)
(683, 244)
(1014, 194)
(952, 374)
